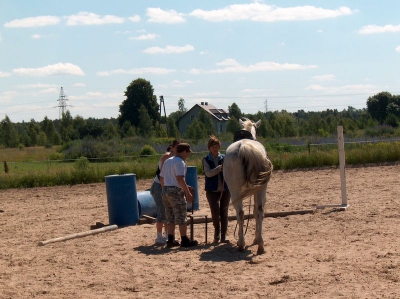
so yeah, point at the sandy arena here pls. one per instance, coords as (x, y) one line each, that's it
(328, 254)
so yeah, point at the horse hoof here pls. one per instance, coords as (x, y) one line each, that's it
(260, 251)
(241, 249)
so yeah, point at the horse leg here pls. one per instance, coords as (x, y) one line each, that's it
(259, 201)
(240, 221)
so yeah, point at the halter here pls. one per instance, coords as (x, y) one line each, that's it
(244, 134)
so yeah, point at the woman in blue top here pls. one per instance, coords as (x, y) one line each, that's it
(217, 192)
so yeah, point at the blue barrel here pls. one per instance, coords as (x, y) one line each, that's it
(191, 180)
(122, 199)
(146, 204)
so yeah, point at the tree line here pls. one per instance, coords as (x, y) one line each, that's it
(140, 115)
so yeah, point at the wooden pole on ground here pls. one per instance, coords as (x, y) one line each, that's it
(80, 235)
(251, 216)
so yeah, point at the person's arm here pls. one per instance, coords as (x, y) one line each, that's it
(182, 183)
(162, 181)
(211, 172)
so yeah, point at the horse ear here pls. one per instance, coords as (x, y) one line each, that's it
(257, 124)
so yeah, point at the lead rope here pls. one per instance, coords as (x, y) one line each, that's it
(247, 224)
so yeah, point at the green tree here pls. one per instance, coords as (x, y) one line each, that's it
(377, 105)
(127, 130)
(66, 127)
(233, 125)
(47, 126)
(33, 132)
(145, 127)
(234, 111)
(110, 131)
(196, 131)
(8, 133)
(205, 119)
(181, 106)
(172, 128)
(138, 93)
(42, 139)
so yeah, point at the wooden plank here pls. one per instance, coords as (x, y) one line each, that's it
(251, 216)
(80, 235)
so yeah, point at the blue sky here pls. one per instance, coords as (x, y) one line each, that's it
(273, 55)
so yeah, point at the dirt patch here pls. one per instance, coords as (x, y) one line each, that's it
(350, 254)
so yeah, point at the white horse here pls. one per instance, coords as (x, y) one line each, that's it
(247, 170)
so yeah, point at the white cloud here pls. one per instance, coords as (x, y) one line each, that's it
(327, 77)
(7, 96)
(53, 69)
(345, 89)
(89, 18)
(148, 36)
(94, 94)
(315, 87)
(1, 39)
(398, 49)
(178, 83)
(137, 71)
(135, 19)
(50, 90)
(157, 15)
(36, 36)
(79, 85)
(252, 90)
(203, 53)
(228, 62)
(37, 85)
(372, 29)
(4, 74)
(232, 66)
(40, 21)
(169, 50)
(259, 12)
(122, 32)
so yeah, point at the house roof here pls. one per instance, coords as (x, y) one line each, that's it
(212, 110)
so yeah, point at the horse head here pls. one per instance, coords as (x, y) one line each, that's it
(250, 126)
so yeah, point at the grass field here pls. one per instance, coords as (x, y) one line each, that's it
(34, 166)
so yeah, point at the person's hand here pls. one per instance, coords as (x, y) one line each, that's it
(219, 167)
(189, 197)
(191, 189)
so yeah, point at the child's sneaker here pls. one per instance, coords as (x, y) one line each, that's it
(161, 240)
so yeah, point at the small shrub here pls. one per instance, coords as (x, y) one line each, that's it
(82, 164)
(56, 156)
(147, 150)
(21, 146)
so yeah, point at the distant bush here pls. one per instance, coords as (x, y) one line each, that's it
(147, 150)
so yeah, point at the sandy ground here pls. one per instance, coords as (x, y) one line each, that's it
(328, 254)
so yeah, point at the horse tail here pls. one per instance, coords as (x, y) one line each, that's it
(257, 168)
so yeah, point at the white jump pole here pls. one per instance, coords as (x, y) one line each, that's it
(344, 204)
(80, 235)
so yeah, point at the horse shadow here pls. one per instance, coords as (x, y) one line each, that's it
(226, 253)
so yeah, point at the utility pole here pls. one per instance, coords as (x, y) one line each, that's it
(165, 114)
(62, 103)
(266, 108)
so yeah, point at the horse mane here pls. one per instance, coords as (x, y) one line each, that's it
(247, 124)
